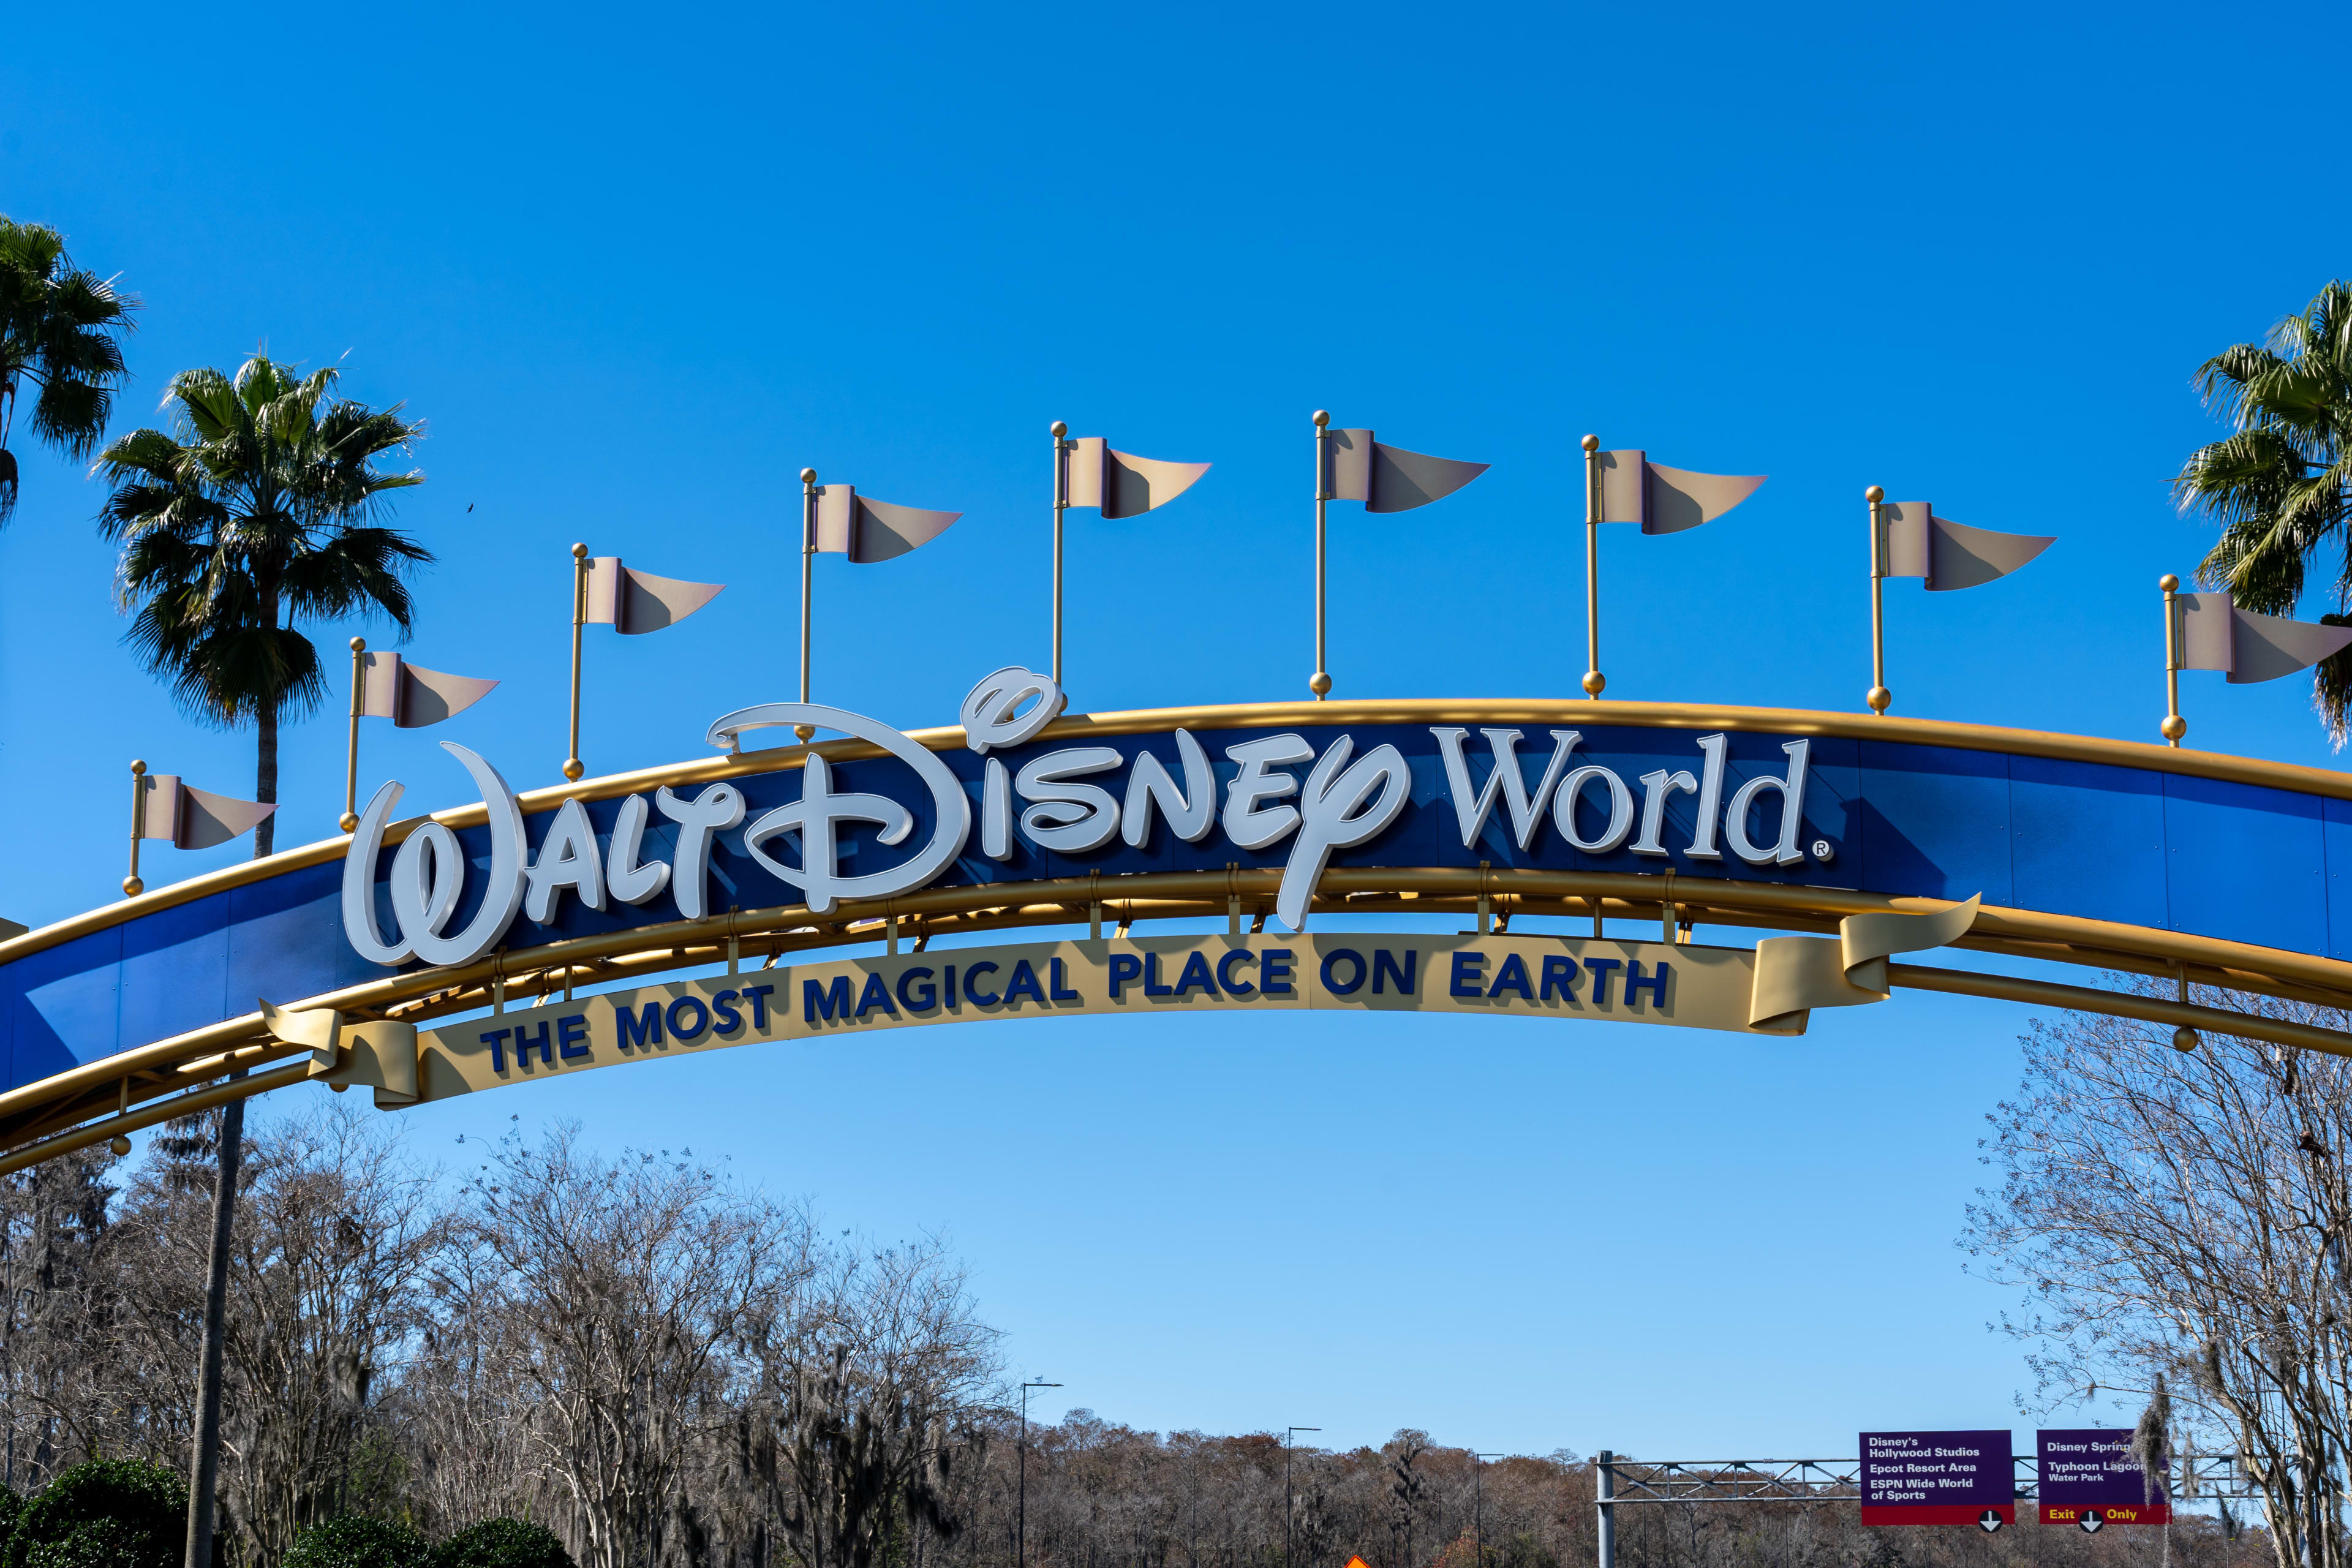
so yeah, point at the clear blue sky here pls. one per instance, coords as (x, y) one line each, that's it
(636, 266)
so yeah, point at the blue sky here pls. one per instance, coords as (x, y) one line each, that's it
(636, 268)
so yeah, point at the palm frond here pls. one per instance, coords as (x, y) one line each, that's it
(2331, 693)
(60, 332)
(2222, 380)
(71, 414)
(2279, 486)
(256, 518)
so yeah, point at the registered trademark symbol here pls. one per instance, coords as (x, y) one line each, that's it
(1822, 850)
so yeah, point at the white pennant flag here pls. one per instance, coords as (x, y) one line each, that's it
(192, 818)
(412, 696)
(634, 602)
(2217, 635)
(1121, 484)
(1950, 554)
(1390, 478)
(1664, 499)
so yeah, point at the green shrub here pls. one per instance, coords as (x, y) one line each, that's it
(353, 1541)
(503, 1544)
(101, 1543)
(105, 1513)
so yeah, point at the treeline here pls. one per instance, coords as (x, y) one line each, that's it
(668, 1371)
(1102, 1496)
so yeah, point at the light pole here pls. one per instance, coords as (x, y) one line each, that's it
(1020, 1531)
(1478, 1503)
(1604, 1495)
(1288, 1530)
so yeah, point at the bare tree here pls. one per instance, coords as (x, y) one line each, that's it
(872, 1394)
(53, 1218)
(465, 1425)
(334, 1238)
(1403, 1452)
(2184, 1212)
(627, 1281)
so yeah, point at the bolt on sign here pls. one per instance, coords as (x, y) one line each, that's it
(2090, 1479)
(1939, 1477)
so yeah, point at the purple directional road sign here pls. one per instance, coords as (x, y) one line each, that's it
(2090, 1479)
(1939, 1477)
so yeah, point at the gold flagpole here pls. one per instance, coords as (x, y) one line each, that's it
(1594, 683)
(2174, 725)
(1879, 697)
(131, 885)
(808, 566)
(1060, 504)
(1320, 682)
(573, 768)
(350, 817)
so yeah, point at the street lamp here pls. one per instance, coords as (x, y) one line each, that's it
(1288, 1530)
(1478, 1503)
(1021, 1536)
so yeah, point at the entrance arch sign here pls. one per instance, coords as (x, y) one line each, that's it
(1875, 833)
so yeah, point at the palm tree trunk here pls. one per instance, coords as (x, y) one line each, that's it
(204, 1465)
(264, 783)
(204, 1461)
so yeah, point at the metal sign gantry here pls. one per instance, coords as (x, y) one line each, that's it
(1622, 1480)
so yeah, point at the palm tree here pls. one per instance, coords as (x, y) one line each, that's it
(59, 331)
(254, 516)
(2281, 486)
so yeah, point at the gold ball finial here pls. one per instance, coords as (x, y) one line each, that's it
(133, 886)
(1595, 683)
(119, 1145)
(2173, 727)
(340, 1087)
(1060, 429)
(1591, 443)
(2168, 582)
(572, 769)
(579, 553)
(348, 822)
(358, 645)
(1875, 494)
(1320, 683)
(808, 475)
(1879, 699)
(137, 767)
(2184, 1039)
(803, 734)
(1322, 417)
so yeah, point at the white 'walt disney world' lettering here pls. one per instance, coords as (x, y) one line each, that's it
(1343, 800)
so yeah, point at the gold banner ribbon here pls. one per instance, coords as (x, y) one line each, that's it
(380, 1055)
(1797, 974)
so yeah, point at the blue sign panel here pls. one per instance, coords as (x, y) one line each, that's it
(1939, 1477)
(2090, 1479)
